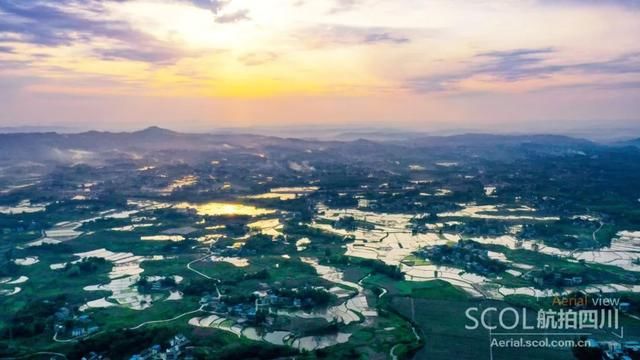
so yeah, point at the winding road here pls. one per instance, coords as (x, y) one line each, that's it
(201, 308)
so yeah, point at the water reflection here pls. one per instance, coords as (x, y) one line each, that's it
(220, 208)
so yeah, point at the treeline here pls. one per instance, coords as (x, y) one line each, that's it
(376, 266)
(32, 319)
(85, 266)
(313, 297)
(197, 287)
(122, 343)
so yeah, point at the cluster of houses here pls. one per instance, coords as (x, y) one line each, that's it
(264, 301)
(146, 284)
(559, 239)
(474, 227)
(243, 311)
(549, 277)
(348, 222)
(465, 254)
(233, 251)
(66, 323)
(178, 349)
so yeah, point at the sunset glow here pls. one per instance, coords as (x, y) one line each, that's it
(207, 63)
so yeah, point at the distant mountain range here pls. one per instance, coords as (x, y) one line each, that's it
(36, 129)
(633, 142)
(62, 147)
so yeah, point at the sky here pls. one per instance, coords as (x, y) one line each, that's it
(206, 64)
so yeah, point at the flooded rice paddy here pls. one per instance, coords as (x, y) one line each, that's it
(225, 209)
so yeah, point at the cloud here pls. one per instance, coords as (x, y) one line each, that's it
(321, 36)
(523, 64)
(625, 64)
(214, 5)
(531, 63)
(343, 5)
(157, 54)
(6, 49)
(608, 85)
(382, 37)
(233, 17)
(258, 58)
(515, 64)
(434, 83)
(631, 4)
(41, 23)
(13, 64)
(217, 6)
(620, 85)
(55, 24)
